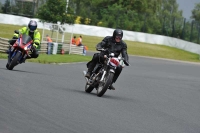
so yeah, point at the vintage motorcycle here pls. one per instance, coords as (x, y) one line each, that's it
(102, 75)
(18, 53)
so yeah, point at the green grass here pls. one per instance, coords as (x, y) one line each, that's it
(47, 59)
(3, 56)
(161, 51)
(7, 31)
(134, 48)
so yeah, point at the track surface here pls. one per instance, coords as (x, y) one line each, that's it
(151, 96)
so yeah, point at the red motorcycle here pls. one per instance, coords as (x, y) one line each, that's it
(18, 53)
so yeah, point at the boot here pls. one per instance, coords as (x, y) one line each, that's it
(88, 74)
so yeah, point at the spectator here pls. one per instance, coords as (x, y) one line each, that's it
(73, 40)
(49, 40)
(49, 44)
(79, 41)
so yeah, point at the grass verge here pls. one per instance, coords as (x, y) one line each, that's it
(48, 59)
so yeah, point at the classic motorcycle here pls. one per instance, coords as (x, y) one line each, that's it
(102, 75)
(18, 53)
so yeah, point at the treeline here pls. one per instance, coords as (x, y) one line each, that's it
(16, 7)
(150, 16)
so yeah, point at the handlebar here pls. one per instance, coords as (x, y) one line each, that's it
(101, 49)
(112, 55)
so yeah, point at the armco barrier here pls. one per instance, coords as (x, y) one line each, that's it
(69, 49)
(4, 46)
(76, 49)
(43, 47)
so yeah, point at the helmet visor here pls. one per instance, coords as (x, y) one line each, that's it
(32, 28)
(118, 37)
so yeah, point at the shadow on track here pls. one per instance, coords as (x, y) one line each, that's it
(21, 71)
(81, 92)
(113, 97)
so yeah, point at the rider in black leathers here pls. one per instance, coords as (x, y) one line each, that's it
(113, 44)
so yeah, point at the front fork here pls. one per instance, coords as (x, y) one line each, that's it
(103, 75)
(105, 72)
(12, 53)
(10, 50)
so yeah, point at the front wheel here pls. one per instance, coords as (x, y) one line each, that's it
(7, 65)
(14, 61)
(103, 86)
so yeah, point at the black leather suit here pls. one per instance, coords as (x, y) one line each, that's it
(116, 48)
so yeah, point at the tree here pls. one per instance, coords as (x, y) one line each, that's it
(23, 8)
(196, 13)
(169, 16)
(6, 8)
(53, 11)
(1, 7)
(40, 3)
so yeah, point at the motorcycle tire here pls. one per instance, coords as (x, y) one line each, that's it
(7, 65)
(88, 88)
(108, 80)
(13, 63)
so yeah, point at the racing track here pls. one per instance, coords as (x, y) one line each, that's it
(151, 96)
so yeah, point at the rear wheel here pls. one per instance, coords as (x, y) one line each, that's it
(14, 61)
(103, 86)
(88, 88)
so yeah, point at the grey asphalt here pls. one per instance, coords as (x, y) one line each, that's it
(151, 96)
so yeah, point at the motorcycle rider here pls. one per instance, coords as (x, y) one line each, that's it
(114, 44)
(32, 31)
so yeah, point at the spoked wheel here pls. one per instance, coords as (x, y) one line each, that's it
(103, 86)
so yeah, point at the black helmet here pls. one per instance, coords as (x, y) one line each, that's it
(118, 32)
(32, 25)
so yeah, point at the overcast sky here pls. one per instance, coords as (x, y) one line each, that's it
(186, 5)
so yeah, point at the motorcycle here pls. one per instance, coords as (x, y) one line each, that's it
(102, 75)
(18, 53)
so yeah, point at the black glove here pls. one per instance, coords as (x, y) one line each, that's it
(126, 63)
(101, 49)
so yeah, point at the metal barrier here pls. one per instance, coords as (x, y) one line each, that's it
(3, 45)
(68, 48)
(76, 49)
